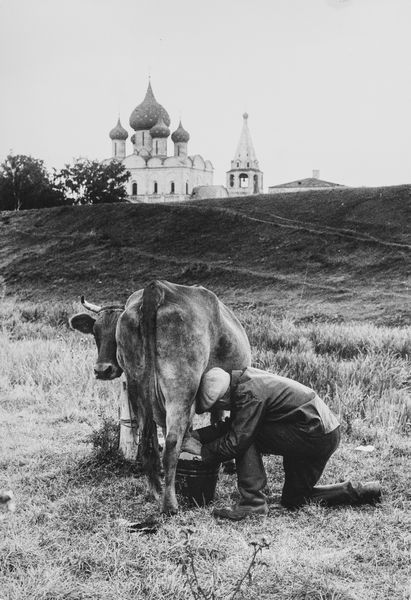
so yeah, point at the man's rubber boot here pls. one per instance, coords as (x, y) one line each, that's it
(239, 512)
(367, 493)
(347, 493)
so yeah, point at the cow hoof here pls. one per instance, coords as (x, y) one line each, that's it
(169, 510)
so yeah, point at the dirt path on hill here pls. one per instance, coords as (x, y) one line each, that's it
(228, 268)
(314, 228)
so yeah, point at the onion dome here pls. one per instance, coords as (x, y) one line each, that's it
(160, 129)
(146, 115)
(118, 133)
(180, 134)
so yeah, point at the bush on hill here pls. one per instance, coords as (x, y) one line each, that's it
(25, 183)
(92, 182)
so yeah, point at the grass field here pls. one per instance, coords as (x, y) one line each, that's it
(66, 540)
(320, 281)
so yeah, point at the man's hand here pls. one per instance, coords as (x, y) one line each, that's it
(192, 446)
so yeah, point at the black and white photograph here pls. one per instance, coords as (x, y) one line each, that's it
(205, 307)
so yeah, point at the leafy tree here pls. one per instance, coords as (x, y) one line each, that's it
(25, 183)
(92, 182)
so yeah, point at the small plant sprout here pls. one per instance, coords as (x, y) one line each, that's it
(190, 571)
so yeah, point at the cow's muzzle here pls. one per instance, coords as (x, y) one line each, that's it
(107, 371)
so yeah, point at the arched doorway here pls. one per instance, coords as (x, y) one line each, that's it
(243, 180)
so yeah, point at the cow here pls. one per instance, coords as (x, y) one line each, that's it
(166, 337)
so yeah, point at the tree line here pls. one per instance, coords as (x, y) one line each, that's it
(25, 183)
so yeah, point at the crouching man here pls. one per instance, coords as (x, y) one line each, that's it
(272, 415)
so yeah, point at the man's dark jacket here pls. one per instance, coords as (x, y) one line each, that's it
(259, 397)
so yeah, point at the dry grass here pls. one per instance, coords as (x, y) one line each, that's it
(66, 541)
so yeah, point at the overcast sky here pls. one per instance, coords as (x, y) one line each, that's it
(326, 83)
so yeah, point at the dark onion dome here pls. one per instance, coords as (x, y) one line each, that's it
(146, 115)
(118, 133)
(180, 134)
(160, 129)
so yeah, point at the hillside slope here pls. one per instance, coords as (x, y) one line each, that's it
(335, 254)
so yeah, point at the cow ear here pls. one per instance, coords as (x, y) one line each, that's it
(82, 322)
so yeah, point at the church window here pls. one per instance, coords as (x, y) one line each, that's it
(155, 187)
(134, 189)
(186, 187)
(232, 180)
(244, 180)
(238, 164)
(156, 146)
(115, 148)
(248, 164)
(142, 138)
(172, 188)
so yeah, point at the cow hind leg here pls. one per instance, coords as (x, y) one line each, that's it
(178, 422)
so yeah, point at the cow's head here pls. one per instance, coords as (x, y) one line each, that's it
(103, 327)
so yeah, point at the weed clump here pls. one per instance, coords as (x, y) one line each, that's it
(105, 441)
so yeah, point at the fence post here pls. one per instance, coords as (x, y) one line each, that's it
(129, 437)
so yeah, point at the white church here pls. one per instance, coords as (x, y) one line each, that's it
(155, 176)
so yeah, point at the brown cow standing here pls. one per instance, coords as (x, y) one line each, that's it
(166, 338)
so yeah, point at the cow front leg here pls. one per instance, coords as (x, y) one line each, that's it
(177, 424)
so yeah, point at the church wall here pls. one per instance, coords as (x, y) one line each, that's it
(145, 179)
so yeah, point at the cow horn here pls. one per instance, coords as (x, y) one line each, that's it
(91, 307)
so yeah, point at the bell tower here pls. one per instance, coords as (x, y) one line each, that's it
(244, 178)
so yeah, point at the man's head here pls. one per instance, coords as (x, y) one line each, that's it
(214, 391)
(103, 328)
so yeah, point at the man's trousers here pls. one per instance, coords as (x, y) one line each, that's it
(304, 458)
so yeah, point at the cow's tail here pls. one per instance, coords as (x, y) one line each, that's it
(153, 297)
